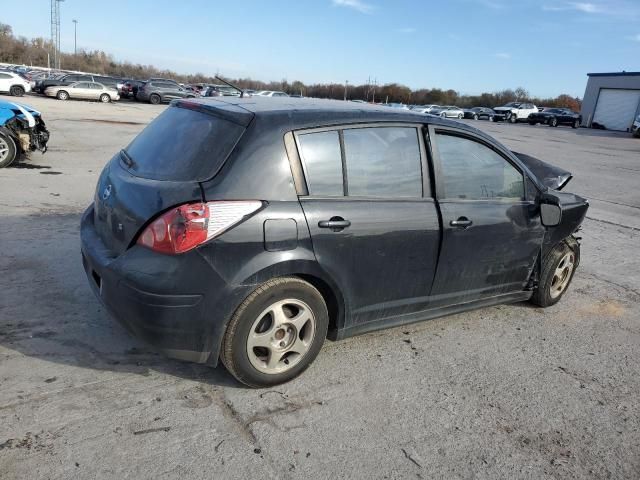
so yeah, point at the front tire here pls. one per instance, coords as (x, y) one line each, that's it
(533, 123)
(8, 151)
(576, 124)
(460, 116)
(276, 333)
(557, 272)
(475, 117)
(105, 98)
(62, 95)
(16, 91)
(553, 122)
(513, 118)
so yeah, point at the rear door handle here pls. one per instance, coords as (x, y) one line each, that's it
(462, 222)
(335, 223)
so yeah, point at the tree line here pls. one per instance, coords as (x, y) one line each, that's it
(33, 52)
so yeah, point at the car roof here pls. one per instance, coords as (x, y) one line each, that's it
(310, 112)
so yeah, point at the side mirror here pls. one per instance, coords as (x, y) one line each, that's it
(550, 211)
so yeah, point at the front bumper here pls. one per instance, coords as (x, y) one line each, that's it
(177, 304)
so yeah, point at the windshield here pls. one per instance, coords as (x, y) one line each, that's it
(182, 144)
(513, 104)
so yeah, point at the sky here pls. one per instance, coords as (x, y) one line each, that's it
(471, 46)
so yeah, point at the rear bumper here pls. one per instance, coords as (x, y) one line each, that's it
(177, 304)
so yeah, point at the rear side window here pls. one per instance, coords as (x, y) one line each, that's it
(383, 162)
(323, 163)
(183, 145)
(471, 170)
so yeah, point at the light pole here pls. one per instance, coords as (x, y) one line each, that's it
(346, 85)
(75, 36)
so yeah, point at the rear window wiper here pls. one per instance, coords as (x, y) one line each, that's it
(128, 161)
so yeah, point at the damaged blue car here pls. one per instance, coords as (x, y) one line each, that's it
(22, 131)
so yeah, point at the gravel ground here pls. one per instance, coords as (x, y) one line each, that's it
(503, 392)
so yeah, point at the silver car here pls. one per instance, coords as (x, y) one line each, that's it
(83, 91)
(448, 112)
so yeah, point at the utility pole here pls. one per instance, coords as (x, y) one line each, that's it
(346, 85)
(75, 36)
(55, 31)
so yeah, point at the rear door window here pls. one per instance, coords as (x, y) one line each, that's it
(183, 144)
(383, 162)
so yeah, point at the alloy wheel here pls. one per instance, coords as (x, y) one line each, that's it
(281, 336)
(4, 149)
(562, 275)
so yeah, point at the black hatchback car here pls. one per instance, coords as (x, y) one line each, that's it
(251, 229)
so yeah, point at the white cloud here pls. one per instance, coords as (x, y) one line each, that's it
(635, 38)
(357, 5)
(407, 30)
(583, 7)
(502, 55)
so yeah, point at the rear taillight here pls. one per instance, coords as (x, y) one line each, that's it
(187, 226)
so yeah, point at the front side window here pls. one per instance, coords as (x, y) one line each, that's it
(320, 152)
(383, 162)
(473, 171)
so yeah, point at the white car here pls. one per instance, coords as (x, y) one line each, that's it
(516, 111)
(635, 128)
(13, 84)
(271, 93)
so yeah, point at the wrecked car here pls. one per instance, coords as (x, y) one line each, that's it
(249, 230)
(22, 131)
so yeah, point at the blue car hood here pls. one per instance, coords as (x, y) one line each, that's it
(9, 110)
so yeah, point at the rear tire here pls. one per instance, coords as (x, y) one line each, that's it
(533, 123)
(553, 122)
(8, 151)
(491, 119)
(557, 272)
(276, 333)
(62, 95)
(513, 118)
(475, 117)
(576, 124)
(105, 98)
(460, 116)
(16, 91)
(155, 99)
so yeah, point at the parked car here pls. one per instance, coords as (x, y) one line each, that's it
(515, 111)
(448, 112)
(42, 85)
(22, 131)
(83, 91)
(161, 91)
(478, 113)
(635, 128)
(271, 93)
(556, 116)
(229, 229)
(13, 84)
(130, 88)
(219, 91)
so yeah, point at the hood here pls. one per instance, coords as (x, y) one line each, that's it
(9, 110)
(504, 108)
(552, 177)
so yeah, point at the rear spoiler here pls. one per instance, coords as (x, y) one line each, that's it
(227, 111)
(552, 177)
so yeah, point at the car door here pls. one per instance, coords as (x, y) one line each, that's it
(81, 90)
(373, 223)
(491, 229)
(96, 90)
(5, 82)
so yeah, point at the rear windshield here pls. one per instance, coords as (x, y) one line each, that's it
(183, 145)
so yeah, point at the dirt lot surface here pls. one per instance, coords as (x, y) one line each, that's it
(503, 392)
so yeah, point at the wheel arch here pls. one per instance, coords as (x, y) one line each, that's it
(306, 270)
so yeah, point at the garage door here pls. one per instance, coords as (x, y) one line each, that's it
(616, 109)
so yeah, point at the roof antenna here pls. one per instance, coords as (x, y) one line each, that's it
(231, 85)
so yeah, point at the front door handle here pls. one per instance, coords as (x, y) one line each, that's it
(462, 222)
(334, 223)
